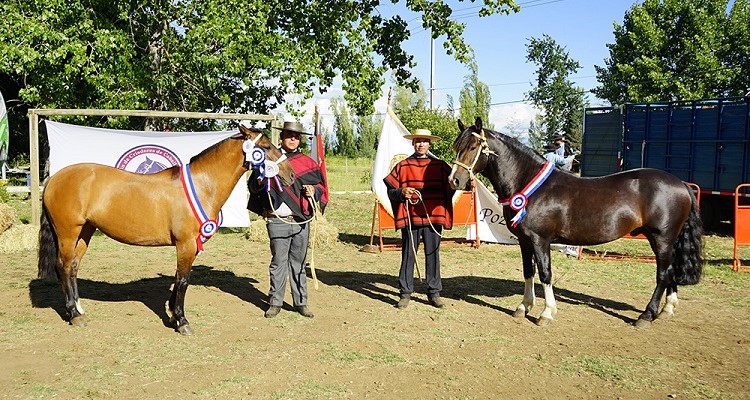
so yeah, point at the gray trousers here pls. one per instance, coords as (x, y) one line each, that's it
(289, 250)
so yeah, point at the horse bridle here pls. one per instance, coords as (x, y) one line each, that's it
(485, 149)
(255, 143)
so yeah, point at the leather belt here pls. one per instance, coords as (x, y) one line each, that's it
(270, 215)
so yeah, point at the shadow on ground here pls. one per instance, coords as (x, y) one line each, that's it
(155, 292)
(384, 288)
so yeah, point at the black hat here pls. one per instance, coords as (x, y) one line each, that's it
(549, 147)
(291, 126)
(558, 137)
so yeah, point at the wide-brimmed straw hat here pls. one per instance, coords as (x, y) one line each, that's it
(422, 134)
(293, 126)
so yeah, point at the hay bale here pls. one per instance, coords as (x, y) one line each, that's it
(19, 237)
(322, 233)
(7, 217)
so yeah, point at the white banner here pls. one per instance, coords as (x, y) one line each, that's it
(491, 223)
(392, 148)
(140, 152)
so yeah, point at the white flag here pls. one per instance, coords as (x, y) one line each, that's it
(140, 152)
(392, 148)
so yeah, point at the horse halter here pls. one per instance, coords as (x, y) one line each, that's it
(248, 146)
(485, 149)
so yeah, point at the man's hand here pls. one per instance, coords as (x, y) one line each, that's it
(308, 190)
(408, 192)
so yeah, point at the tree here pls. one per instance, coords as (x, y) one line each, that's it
(475, 98)
(405, 98)
(345, 142)
(677, 50)
(513, 128)
(537, 134)
(440, 122)
(555, 93)
(368, 130)
(193, 55)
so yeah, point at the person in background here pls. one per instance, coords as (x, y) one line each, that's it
(287, 220)
(549, 152)
(422, 205)
(562, 147)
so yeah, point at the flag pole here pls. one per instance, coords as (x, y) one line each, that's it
(316, 210)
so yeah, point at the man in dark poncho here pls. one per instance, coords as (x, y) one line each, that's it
(287, 220)
(421, 180)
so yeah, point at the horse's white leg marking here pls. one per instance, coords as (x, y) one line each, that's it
(528, 296)
(668, 309)
(550, 307)
(78, 307)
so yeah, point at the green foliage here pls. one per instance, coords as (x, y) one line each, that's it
(196, 55)
(440, 122)
(675, 49)
(368, 131)
(345, 143)
(4, 195)
(475, 98)
(537, 136)
(405, 98)
(555, 92)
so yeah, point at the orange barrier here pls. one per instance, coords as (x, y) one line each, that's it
(464, 213)
(741, 228)
(697, 190)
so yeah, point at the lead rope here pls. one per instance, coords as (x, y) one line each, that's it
(411, 237)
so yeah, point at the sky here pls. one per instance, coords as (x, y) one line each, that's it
(582, 27)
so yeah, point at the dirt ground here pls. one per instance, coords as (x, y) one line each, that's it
(360, 346)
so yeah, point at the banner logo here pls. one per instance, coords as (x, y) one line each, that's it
(148, 159)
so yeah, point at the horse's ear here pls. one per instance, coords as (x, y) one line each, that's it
(478, 124)
(246, 130)
(461, 126)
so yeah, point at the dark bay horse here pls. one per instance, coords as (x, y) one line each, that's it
(143, 210)
(547, 206)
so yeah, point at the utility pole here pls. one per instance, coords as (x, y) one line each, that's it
(432, 72)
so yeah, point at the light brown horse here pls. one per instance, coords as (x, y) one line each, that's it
(143, 210)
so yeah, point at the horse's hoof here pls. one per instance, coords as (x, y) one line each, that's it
(543, 321)
(642, 323)
(519, 313)
(185, 330)
(80, 321)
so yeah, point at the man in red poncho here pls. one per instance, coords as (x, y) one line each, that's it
(286, 220)
(422, 206)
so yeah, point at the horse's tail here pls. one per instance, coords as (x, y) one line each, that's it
(47, 247)
(687, 256)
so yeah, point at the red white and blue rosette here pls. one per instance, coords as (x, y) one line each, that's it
(520, 200)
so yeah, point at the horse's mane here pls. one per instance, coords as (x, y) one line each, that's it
(515, 145)
(462, 142)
